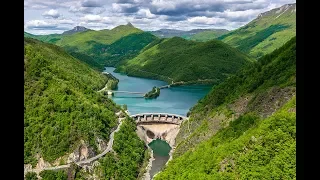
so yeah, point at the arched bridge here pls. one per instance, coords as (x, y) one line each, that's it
(146, 118)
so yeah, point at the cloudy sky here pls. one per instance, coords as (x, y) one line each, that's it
(56, 16)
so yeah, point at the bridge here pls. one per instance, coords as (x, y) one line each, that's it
(151, 118)
(129, 92)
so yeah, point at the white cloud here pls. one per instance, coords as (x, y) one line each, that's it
(146, 13)
(65, 21)
(39, 24)
(51, 13)
(205, 20)
(46, 15)
(91, 18)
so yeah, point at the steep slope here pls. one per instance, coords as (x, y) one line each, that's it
(269, 31)
(208, 35)
(61, 103)
(177, 59)
(245, 127)
(127, 159)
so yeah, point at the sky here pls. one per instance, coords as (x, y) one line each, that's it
(57, 16)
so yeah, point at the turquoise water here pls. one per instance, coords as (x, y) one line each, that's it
(160, 147)
(176, 100)
(161, 151)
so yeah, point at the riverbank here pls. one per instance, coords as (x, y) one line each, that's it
(169, 80)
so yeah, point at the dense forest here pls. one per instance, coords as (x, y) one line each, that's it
(127, 160)
(154, 93)
(245, 127)
(61, 103)
(177, 59)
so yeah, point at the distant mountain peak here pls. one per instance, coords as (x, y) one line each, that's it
(76, 29)
(280, 10)
(129, 24)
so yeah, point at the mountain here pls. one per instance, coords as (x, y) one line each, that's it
(245, 127)
(126, 46)
(61, 103)
(75, 30)
(64, 115)
(269, 31)
(177, 59)
(208, 35)
(51, 38)
(101, 48)
(168, 33)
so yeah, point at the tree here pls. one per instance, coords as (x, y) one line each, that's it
(124, 107)
(31, 176)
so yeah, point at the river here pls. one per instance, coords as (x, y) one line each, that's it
(175, 100)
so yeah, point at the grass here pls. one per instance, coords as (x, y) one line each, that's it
(265, 33)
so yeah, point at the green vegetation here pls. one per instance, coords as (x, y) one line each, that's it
(177, 59)
(101, 48)
(31, 176)
(245, 127)
(249, 148)
(51, 38)
(266, 33)
(61, 103)
(208, 35)
(112, 84)
(154, 93)
(53, 175)
(194, 34)
(143, 170)
(129, 154)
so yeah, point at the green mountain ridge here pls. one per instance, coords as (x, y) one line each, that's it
(63, 110)
(61, 103)
(244, 128)
(208, 35)
(101, 48)
(176, 59)
(269, 31)
(194, 34)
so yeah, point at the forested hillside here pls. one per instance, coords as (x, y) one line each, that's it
(61, 103)
(127, 160)
(177, 59)
(101, 48)
(245, 127)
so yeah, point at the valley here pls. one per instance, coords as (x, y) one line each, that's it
(126, 103)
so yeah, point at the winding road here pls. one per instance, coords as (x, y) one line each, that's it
(86, 161)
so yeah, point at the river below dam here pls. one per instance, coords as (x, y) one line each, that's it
(174, 100)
